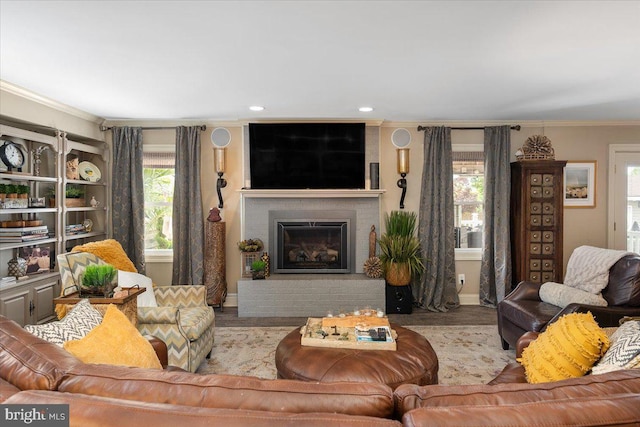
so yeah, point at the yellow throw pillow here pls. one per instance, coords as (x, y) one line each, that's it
(568, 348)
(114, 342)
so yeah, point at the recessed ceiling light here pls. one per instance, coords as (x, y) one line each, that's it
(365, 109)
(256, 108)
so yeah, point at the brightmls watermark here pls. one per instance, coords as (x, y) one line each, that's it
(35, 415)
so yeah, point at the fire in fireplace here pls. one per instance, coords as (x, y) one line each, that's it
(312, 241)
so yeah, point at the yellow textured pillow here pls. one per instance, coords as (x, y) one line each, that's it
(568, 348)
(114, 342)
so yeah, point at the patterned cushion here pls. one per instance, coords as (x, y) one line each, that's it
(195, 320)
(562, 295)
(75, 264)
(75, 325)
(624, 352)
(115, 342)
(568, 348)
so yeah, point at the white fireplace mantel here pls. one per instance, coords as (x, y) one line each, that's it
(310, 194)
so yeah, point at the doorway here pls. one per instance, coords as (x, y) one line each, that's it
(624, 200)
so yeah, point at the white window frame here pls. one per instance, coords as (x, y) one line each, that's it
(158, 255)
(468, 254)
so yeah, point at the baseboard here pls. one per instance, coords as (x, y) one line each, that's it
(469, 299)
(231, 301)
(465, 299)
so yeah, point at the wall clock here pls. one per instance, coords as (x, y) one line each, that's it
(12, 156)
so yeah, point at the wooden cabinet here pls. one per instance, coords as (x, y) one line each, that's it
(536, 220)
(30, 302)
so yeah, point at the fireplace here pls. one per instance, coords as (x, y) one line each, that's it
(312, 241)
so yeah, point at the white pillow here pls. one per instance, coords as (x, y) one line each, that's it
(562, 295)
(78, 322)
(128, 279)
(624, 350)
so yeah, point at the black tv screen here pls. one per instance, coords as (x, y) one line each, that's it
(307, 155)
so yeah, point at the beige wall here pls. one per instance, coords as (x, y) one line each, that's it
(586, 142)
(579, 142)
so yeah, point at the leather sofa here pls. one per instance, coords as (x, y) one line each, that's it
(33, 371)
(523, 310)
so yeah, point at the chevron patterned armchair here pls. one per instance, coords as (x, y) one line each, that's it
(182, 318)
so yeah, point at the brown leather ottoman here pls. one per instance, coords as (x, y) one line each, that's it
(414, 361)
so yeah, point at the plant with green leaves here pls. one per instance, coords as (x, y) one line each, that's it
(73, 192)
(400, 250)
(12, 189)
(3, 188)
(23, 189)
(258, 269)
(258, 265)
(400, 223)
(99, 278)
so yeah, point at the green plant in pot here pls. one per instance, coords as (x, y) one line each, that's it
(73, 192)
(400, 249)
(12, 191)
(23, 191)
(258, 268)
(98, 280)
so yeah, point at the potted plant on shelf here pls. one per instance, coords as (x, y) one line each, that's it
(3, 192)
(23, 191)
(258, 269)
(12, 191)
(97, 280)
(74, 196)
(400, 249)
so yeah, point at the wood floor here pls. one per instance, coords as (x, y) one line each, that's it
(464, 315)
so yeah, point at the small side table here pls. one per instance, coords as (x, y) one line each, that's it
(128, 304)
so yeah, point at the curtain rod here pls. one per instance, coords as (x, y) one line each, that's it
(515, 127)
(105, 128)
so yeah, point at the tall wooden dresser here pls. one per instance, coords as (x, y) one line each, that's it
(536, 220)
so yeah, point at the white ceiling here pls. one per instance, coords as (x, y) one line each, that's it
(410, 60)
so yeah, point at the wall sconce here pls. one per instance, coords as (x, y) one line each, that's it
(403, 170)
(401, 138)
(220, 138)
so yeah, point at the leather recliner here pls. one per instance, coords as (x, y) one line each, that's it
(523, 311)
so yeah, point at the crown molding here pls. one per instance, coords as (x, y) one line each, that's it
(522, 123)
(47, 102)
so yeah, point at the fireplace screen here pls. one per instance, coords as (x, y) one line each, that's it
(312, 246)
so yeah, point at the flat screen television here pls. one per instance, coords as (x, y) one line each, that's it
(307, 155)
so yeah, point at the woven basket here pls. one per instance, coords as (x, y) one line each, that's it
(398, 274)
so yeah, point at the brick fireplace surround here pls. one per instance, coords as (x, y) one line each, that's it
(300, 295)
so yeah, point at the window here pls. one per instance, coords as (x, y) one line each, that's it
(468, 197)
(159, 177)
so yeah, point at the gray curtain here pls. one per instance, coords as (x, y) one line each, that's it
(188, 224)
(495, 271)
(127, 198)
(436, 290)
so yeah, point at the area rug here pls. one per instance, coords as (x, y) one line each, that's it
(466, 354)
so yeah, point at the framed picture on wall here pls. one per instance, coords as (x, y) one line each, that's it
(580, 184)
